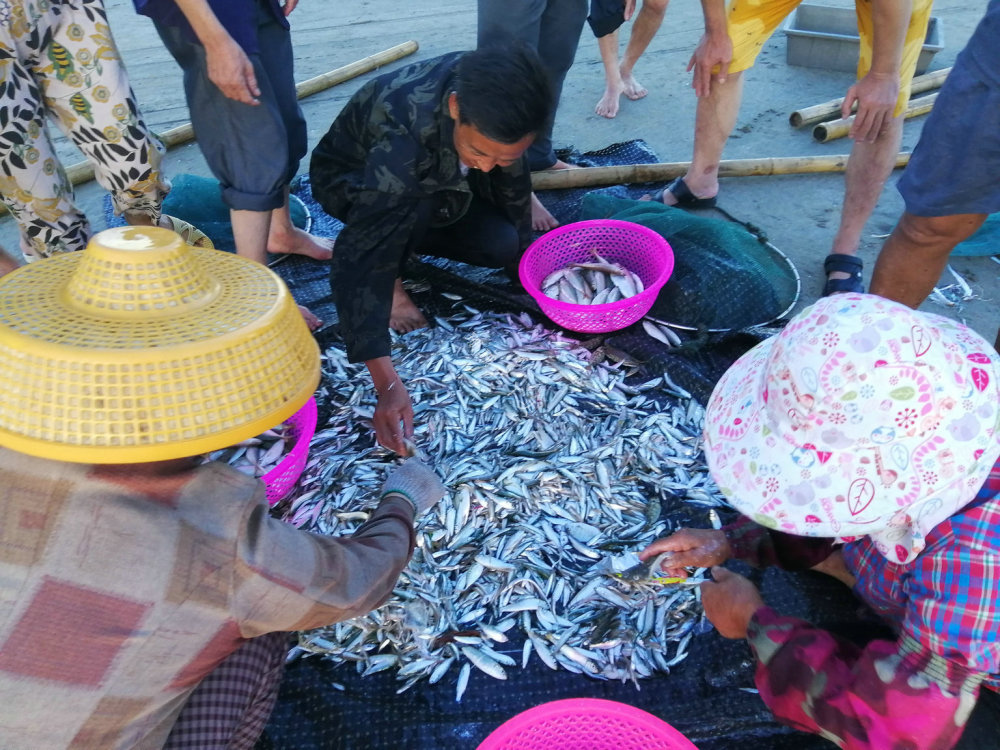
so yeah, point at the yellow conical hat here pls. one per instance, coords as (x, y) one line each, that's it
(144, 348)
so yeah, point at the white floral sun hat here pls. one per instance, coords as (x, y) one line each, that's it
(862, 417)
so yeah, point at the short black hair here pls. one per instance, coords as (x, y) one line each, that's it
(504, 91)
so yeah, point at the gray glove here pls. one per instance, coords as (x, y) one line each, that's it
(415, 482)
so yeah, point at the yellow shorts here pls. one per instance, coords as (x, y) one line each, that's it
(751, 23)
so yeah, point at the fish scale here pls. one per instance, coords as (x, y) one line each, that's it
(522, 480)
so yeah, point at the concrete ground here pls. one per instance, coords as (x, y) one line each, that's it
(799, 213)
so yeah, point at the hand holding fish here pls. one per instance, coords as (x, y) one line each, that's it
(393, 418)
(416, 483)
(729, 602)
(690, 548)
(393, 410)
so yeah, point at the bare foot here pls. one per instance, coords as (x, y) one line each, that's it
(300, 243)
(541, 219)
(560, 164)
(405, 315)
(311, 320)
(632, 88)
(608, 105)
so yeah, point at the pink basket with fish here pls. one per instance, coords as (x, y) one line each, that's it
(631, 246)
(280, 480)
(590, 723)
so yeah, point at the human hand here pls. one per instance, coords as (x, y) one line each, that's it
(875, 95)
(288, 6)
(231, 70)
(689, 548)
(393, 409)
(714, 49)
(415, 481)
(629, 9)
(729, 602)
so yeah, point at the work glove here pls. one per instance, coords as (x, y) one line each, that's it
(417, 483)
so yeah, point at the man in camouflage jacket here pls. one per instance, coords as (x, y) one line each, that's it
(428, 159)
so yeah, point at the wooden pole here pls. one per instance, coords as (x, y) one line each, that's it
(84, 172)
(627, 174)
(826, 110)
(828, 131)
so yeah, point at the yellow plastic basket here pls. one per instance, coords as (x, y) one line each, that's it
(144, 348)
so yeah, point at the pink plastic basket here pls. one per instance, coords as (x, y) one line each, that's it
(280, 480)
(637, 248)
(591, 723)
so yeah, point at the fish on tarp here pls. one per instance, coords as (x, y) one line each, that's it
(553, 465)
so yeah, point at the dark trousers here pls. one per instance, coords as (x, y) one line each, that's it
(253, 151)
(551, 28)
(484, 236)
(983, 729)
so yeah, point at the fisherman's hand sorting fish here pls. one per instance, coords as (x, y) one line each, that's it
(416, 483)
(688, 548)
(863, 442)
(393, 418)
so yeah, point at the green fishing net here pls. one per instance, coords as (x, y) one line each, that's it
(725, 277)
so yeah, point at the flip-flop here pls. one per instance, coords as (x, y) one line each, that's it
(685, 198)
(851, 264)
(188, 232)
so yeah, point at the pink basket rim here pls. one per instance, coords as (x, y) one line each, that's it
(304, 423)
(672, 739)
(621, 304)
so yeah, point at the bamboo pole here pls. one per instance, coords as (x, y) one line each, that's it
(626, 174)
(826, 110)
(828, 131)
(84, 171)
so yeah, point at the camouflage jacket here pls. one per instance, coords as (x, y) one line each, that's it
(390, 148)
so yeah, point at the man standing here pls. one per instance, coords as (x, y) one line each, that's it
(618, 78)
(950, 184)
(429, 158)
(551, 28)
(892, 33)
(238, 79)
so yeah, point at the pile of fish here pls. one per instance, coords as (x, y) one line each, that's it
(598, 283)
(554, 467)
(257, 455)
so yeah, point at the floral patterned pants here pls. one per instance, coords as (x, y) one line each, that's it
(57, 58)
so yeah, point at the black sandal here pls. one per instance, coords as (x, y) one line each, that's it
(851, 264)
(685, 198)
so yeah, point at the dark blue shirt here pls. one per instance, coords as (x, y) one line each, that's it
(238, 17)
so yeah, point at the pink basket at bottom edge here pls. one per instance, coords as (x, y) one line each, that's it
(280, 480)
(585, 724)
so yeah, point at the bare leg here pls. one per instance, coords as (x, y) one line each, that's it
(284, 237)
(7, 262)
(714, 120)
(834, 566)
(647, 23)
(250, 233)
(405, 315)
(613, 84)
(916, 253)
(867, 170)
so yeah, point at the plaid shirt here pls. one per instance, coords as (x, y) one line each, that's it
(120, 591)
(913, 693)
